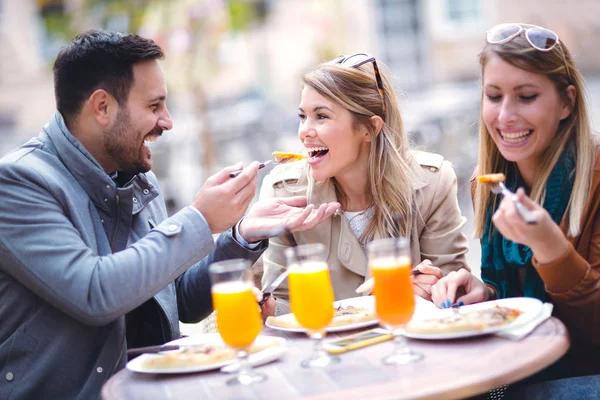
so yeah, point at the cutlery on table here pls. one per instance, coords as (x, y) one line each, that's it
(164, 347)
(262, 357)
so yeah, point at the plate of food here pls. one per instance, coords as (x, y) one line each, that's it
(352, 313)
(473, 320)
(203, 353)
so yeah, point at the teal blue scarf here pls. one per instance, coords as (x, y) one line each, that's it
(501, 259)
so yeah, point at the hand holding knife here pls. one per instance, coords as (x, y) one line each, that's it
(269, 290)
(369, 283)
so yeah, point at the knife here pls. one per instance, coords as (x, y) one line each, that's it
(273, 286)
(152, 349)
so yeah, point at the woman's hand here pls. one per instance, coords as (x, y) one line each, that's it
(429, 276)
(545, 238)
(421, 283)
(460, 287)
(267, 309)
(272, 217)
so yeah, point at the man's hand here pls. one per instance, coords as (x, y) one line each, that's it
(274, 216)
(224, 200)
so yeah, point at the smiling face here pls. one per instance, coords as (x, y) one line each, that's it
(335, 146)
(144, 118)
(521, 111)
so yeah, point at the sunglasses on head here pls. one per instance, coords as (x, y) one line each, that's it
(358, 59)
(539, 38)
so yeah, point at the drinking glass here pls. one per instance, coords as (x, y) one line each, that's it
(238, 315)
(391, 266)
(311, 298)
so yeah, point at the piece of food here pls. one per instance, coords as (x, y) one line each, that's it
(465, 321)
(491, 178)
(283, 157)
(344, 315)
(201, 355)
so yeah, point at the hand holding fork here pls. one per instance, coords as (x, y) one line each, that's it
(496, 182)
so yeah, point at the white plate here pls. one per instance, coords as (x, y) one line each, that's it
(362, 301)
(262, 357)
(529, 307)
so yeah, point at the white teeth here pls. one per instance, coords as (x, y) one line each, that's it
(514, 137)
(317, 148)
(150, 138)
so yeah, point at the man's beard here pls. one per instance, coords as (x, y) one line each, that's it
(121, 144)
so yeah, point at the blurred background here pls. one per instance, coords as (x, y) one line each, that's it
(234, 69)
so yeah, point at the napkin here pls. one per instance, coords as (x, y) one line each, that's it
(262, 357)
(519, 332)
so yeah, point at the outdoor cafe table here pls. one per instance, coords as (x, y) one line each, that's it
(450, 369)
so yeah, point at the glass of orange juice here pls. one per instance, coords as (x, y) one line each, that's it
(311, 297)
(238, 315)
(391, 266)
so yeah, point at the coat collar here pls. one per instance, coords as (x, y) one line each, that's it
(97, 184)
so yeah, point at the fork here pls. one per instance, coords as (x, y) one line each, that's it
(499, 188)
(261, 165)
(455, 308)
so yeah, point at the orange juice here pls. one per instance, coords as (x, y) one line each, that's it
(311, 296)
(238, 316)
(394, 298)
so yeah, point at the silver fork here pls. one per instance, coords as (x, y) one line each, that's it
(261, 165)
(499, 188)
(455, 308)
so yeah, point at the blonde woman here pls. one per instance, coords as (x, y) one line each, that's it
(358, 155)
(534, 128)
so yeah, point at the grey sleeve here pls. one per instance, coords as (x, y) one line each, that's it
(42, 249)
(194, 301)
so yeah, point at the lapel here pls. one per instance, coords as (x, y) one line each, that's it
(350, 253)
(321, 192)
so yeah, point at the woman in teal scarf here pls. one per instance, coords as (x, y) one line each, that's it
(534, 128)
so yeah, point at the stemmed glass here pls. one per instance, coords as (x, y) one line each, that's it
(311, 297)
(238, 316)
(391, 266)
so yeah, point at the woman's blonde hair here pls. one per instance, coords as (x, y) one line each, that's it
(390, 174)
(574, 133)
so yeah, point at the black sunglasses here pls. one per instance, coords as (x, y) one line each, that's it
(358, 59)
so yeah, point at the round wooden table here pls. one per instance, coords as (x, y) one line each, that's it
(450, 369)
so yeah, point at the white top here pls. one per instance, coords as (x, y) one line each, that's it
(358, 221)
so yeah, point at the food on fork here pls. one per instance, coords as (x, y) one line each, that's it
(343, 315)
(491, 178)
(283, 157)
(201, 355)
(465, 321)
(496, 182)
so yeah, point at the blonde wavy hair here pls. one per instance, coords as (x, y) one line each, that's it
(390, 172)
(574, 132)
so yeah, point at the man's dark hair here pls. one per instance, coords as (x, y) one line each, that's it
(98, 60)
